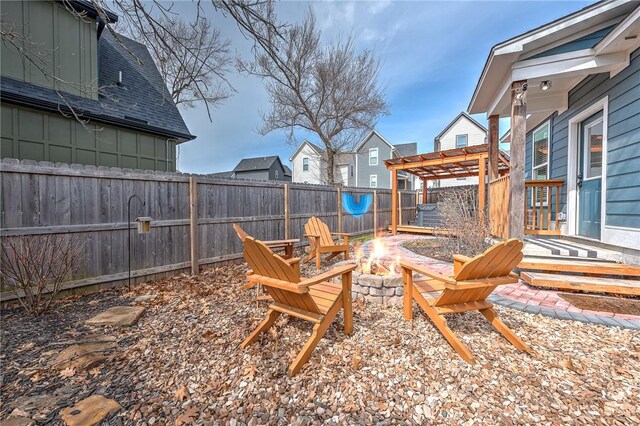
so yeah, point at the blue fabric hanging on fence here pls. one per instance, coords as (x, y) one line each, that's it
(356, 208)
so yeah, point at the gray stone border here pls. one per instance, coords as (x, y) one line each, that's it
(564, 315)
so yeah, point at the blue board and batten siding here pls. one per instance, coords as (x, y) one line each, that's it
(623, 140)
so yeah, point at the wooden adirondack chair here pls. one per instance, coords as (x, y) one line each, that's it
(274, 245)
(321, 241)
(312, 299)
(467, 290)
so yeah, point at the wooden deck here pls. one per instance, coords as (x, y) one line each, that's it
(583, 283)
(421, 230)
(579, 266)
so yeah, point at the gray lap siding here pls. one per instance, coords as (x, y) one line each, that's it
(623, 140)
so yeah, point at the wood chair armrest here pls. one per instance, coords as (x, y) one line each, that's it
(340, 270)
(428, 272)
(341, 234)
(459, 261)
(280, 242)
(272, 282)
(293, 260)
(483, 282)
(311, 236)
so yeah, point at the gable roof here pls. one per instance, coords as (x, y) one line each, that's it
(367, 137)
(465, 115)
(141, 103)
(313, 146)
(223, 175)
(498, 71)
(256, 163)
(287, 170)
(406, 149)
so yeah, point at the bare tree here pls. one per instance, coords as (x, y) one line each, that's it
(330, 90)
(36, 267)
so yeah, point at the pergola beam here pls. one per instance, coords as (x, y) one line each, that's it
(438, 161)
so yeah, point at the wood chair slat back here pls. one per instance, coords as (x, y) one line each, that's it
(315, 226)
(497, 261)
(241, 233)
(268, 264)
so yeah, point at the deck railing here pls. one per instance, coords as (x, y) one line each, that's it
(542, 205)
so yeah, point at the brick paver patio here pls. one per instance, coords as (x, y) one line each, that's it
(518, 296)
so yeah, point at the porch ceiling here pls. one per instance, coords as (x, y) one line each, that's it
(447, 164)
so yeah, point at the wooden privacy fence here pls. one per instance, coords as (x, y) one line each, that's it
(499, 196)
(192, 215)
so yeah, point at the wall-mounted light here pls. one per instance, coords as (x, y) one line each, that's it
(545, 85)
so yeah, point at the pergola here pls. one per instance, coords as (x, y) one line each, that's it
(447, 164)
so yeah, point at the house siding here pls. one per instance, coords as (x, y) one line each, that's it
(29, 134)
(315, 172)
(475, 136)
(623, 140)
(69, 43)
(365, 170)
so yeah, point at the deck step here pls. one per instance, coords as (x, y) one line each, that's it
(579, 266)
(589, 284)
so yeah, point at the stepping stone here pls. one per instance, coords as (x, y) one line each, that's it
(145, 298)
(17, 421)
(123, 316)
(82, 356)
(89, 411)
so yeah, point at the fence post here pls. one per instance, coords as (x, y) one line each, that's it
(193, 223)
(375, 212)
(399, 207)
(287, 225)
(339, 209)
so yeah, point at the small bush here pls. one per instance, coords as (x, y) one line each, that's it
(468, 229)
(36, 267)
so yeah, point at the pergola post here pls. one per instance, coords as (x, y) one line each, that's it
(517, 158)
(394, 201)
(424, 190)
(494, 146)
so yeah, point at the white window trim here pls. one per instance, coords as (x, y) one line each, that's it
(377, 159)
(466, 135)
(308, 162)
(546, 124)
(371, 179)
(277, 174)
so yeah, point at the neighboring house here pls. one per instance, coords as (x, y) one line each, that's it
(582, 115)
(258, 168)
(363, 167)
(308, 164)
(463, 131)
(126, 117)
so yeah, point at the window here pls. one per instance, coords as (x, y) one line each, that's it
(277, 174)
(373, 181)
(593, 150)
(540, 158)
(461, 141)
(373, 156)
(305, 164)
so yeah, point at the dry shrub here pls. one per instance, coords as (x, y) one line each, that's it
(468, 232)
(36, 267)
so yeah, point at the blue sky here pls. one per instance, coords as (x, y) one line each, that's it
(431, 55)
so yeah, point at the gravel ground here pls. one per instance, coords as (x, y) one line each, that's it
(181, 364)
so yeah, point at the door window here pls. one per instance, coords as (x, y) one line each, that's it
(593, 150)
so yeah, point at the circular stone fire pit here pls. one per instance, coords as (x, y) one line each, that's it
(377, 278)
